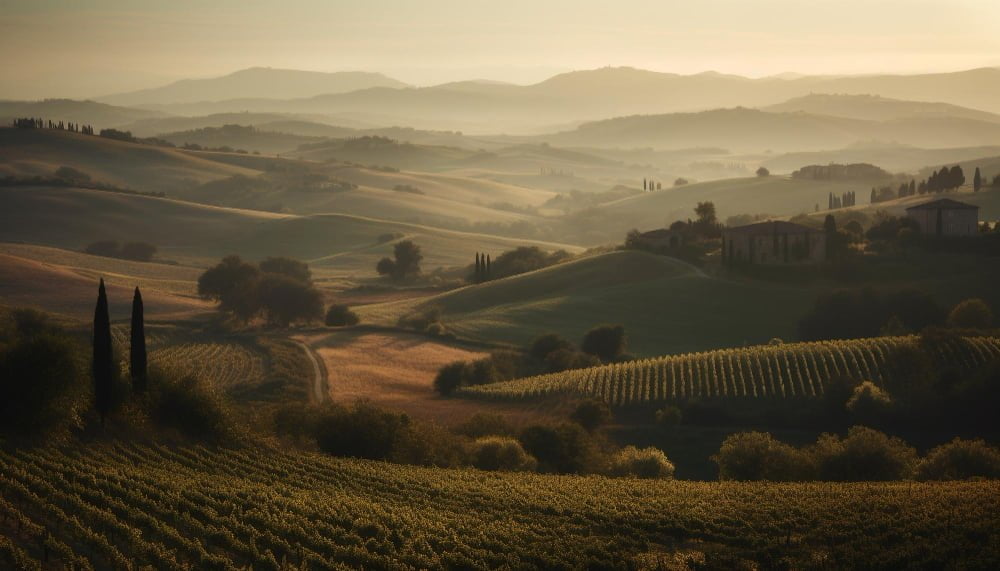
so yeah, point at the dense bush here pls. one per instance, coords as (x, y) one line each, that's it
(501, 453)
(279, 289)
(850, 314)
(360, 431)
(339, 315)
(960, 460)
(758, 456)
(864, 455)
(421, 319)
(591, 414)
(283, 300)
(568, 359)
(868, 403)
(971, 314)
(450, 377)
(524, 259)
(642, 463)
(484, 424)
(606, 342)
(43, 378)
(191, 406)
(564, 448)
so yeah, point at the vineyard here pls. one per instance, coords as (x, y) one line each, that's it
(782, 371)
(225, 363)
(126, 506)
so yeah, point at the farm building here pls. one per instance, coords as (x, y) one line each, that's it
(946, 217)
(773, 243)
(659, 239)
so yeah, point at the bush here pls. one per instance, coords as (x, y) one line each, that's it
(191, 406)
(545, 345)
(605, 342)
(591, 414)
(751, 456)
(960, 460)
(428, 444)
(137, 251)
(501, 453)
(864, 455)
(485, 424)
(106, 248)
(669, 417)
(564, 448)
(642, 463)
(341, 316)
(450, 377)
(569, 359)
(869, 403)
(971, 314)
(359, 431)
(420, 320)
(285, 300)
(42, 383)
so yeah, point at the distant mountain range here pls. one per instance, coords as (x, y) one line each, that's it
(570, 97)
(263, 82)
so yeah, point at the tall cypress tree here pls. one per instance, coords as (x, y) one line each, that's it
(103, 358)
(137, 351)
(977, 181)
(488, 270)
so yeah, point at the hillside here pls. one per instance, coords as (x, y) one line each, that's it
(99, 115)
(875, 108)
(197, 235)
(114, 506)
(39, 152)
(664, 304)
(890, 156)
(772, 195)
(770, 371)
(751, 130)
(255, 82)
(247, 138)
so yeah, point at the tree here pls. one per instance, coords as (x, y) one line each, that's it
(340, 316)
(605, 342)
(642, 463)
(406, 262)
(450, 377)
(286, 300)
(977, 181)
(749, 456)
(138, 251)
(546, 344)
(221, 280)
(762, 172)
(137, 348)
(971, 314)
(680, 181)
(591, 414)
(706, 213)
(103, 358)
(287, 267)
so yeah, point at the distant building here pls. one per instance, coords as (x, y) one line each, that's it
(659, 239)
(946, 217)
(773, 243)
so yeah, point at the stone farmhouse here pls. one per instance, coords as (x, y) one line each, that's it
(945, 217)
(773, 243)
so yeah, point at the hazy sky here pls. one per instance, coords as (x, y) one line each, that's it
(83, 48)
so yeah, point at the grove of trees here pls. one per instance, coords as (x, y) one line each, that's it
(278, 289)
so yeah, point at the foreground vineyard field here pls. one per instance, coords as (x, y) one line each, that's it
(107, 506)
(785, 370)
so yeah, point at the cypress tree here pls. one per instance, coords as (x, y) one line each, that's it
(103, 358)
(479, 272)
(137, 352)
(977, 181)
(644, 184)
(488, 271)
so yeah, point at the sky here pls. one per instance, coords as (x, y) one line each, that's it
(70, 48)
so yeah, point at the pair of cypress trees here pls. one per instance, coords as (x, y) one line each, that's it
(103, 361)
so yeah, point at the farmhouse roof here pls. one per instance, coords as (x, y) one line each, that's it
(944, 204)
(773, 227)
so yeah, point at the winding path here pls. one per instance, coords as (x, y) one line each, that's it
(320, 393)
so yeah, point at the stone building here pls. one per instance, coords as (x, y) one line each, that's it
(945, 217)
(773, 243)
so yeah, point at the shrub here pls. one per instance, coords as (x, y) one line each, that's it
(642, 463)
(191, 406)
(484, 424)
(501, 453)
(868, 402)
(339, 315)
(591, 414)
(605, 342)
(292, 268)
(564, 448)
(864, 455)
(421, 319)
(971, 314)
(428, 444)
(42, 383)
(450, 377)
(359, 431)
(569, 359)
(545, 345)
(758, 456)
(960, 460)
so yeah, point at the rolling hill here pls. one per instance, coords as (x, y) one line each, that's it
(255, 82)
(875, 108)
(892, 157)
(99, 115)
(751, 130)
(665, 305)
(197, 234)
(39, 152)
